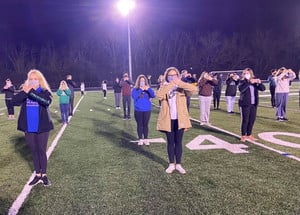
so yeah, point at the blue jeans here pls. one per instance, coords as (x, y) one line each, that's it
(64, 111)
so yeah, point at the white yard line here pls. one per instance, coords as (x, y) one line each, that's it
(17, 204)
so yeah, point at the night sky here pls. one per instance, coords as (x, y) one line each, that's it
(36, 21)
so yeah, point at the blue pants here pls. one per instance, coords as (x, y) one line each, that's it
(281, 103)
(64, 111)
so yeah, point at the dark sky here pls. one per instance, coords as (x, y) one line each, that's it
(36, 21)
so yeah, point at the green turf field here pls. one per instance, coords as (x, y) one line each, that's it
(95, 169)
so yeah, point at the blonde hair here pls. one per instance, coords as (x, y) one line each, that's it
(137, 82)
(43, 83)
(170, 69)
(63, 85)
(202, 75)
(250, 72)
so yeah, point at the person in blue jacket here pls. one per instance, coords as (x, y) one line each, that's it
(141, 94)
(34, 120)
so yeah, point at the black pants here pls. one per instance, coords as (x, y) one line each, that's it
(248, 114)
(272, 92)
(10, 107)
(188, 102)
(142, 120)
(126, 105)
(174, 139)
(216, 99)
(37, 143)
(71, 106)
(104, 93)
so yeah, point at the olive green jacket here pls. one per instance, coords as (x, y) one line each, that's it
(164, 118)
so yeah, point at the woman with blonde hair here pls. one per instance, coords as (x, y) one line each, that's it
(141, 94)
(248, 102)
(64, 94)
(173, 118)
(34, 120)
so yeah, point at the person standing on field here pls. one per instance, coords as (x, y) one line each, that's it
(104, 88)
(117, 91)
(248, 102)
(126, 84)
(9, 91)
(141, 94)
(82, 88)
(34, 120)
(173, 118)
(71, 86)
(64, 94)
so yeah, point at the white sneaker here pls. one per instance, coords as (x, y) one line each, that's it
(140, 143)
(171, 168)
(146, 142)
(180, 169)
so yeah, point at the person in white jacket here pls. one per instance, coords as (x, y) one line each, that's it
(283, 77)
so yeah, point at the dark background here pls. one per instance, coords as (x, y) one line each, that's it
(88, 38)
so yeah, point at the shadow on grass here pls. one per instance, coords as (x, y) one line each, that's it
(22, 148)
(122, 139)
(4, 205)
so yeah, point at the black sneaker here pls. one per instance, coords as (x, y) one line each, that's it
(129, 118)
(35, 181)
(284, 119)
(124, 118)
(46, 181)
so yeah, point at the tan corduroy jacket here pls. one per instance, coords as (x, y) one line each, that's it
(164, 118)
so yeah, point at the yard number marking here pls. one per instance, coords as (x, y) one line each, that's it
(195, 144)
(270, 137)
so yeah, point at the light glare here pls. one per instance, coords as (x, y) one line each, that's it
(125, 6)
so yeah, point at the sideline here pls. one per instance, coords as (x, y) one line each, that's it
(17, 204)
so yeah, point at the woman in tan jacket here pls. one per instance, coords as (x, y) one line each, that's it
(173, 118)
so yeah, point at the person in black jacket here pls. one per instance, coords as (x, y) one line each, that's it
(249, 87)
(71, 85)
(34, 120)
(230, 93)
(117, 91)
(9, 91)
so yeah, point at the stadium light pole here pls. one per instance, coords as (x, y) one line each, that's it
(125, 6)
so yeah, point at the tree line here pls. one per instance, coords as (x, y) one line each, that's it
(92, 59)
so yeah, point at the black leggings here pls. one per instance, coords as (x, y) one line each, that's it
(37, 143)
(175, 142)
(142, 120)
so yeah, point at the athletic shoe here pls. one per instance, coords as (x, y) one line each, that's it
(129, 118)
(180, 169)
(171, 168)
(284, 119)
(35, 180)
(46, 181)
(250, 137)
(146, 142)
(140, 143)
(124, 118)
